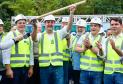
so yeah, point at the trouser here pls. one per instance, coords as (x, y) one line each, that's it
(91, 77)
(76, 76)
(65, 67)
(51, 75)
(70, 71)
(75, 60)
(35, 79)
(76, 67)
(115, 78)
(20, 75)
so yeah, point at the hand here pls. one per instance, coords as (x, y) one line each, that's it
(67, 36)
(112, 44)
(19, 37)
(30, 72)
(87, 43)
(72, 8)
(34, 23)
(9, 73)
(99, 45)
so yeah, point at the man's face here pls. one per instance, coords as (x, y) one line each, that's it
(95, 28)
(49, 24)
(21, 25)
(115, 26)
(64, 24)
(1, 28)
(80, 29)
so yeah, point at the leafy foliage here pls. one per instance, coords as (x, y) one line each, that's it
(10, 8)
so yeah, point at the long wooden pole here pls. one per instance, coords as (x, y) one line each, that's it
(61, 9)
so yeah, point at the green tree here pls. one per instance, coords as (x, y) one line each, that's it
(6, 13)
(25, 7)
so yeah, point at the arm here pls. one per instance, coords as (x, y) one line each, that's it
(118, 51)
(64, 31)
(94, 50)
(9, 42)
(79, 49)
(34, 33)
(30, 71)
(72, 10)
(5, 45)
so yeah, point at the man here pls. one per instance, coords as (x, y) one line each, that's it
(2, 68)
(66, 53)
(5, 45)
(80, 29)
(36, 75)
(113, 72)
(50, 50)
(90, 64)
(19, 66)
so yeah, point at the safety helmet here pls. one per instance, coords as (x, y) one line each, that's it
(65, 19)
(20, 17)
(1, 22)
(49, 17)
(81, 22)
(96, 21)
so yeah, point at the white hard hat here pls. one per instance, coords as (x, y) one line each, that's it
(81, 22)
(96, 21)
(1, 22)
(20, 17)
(49, 17)
(101, 30)
(65, 19)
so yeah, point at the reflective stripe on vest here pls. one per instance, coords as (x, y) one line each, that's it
(113, 65)
(74, 42)
(90, 61)
(1, 57)
(66, 55)
(19, 60)
(56, 57)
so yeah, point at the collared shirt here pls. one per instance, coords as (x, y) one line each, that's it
(7, 52)
(73, 39)
(62, 33)
(114, 38)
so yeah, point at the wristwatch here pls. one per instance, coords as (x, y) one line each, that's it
(90, 46)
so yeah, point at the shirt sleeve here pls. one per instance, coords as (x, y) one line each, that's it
(5, 45)
(38, 36)
(7, 52)
(31, 54)
(80, 41)
(63, 32)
